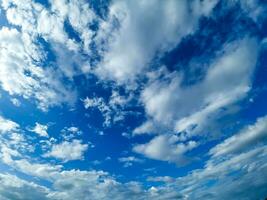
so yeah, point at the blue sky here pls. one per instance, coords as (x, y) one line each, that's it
(133, 99)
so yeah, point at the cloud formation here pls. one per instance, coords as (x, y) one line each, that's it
(67, 151)
(170, 100)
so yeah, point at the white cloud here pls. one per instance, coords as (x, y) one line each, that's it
(192, 108)
(100, 104)
(236, 174)
(73, 129)
(67, 151)
(15, 102)
(128, 161)
(189, 110)
(166, 148)
(13, 188)
(166, 179)
(111, 110)
(241, 176)
(250, 136)
(68, 133)
(238, 165)
(7, 125)
(40, 170)
(40, 129)
(145, 27)
(28, 80)
(146, 128)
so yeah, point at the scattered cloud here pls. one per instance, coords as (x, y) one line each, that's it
(165, 23)
(40, 130)
(166, 148)
(249, 136)
(55, 52)
(67, 151)
(165, 179)
(7, 125)
(16, 102)
(128, 161)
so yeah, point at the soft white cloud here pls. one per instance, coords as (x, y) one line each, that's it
(147, 127)
(101, 105)
(166, 179)
(36, 21)
(112, 110)
(68, 133)
(235, 173)
(73, 129)
(166, 148)
(7, 125)
(250, 136)
(28, 80)
(145, 28)
(14, 188)
(242, 176)
(192, 108)
(189, 110)
(40, 129)
(128, 161)
(67, 151)
(40, 170)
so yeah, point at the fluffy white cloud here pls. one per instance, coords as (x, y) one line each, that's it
(68, 133)
(236, 174)
(250, 136)
(28, 79)
(145, 28)
(189, 108)
(40, 129)
(22, 55)
(67, 151)
(7, 125)
(166, 179)
(166, 148)
(14, 188)
(101, 105)
(112, 110)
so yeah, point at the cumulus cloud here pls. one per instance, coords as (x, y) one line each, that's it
(145, 28)
(40, 129)
(67, 151)
(126, 41)
(68, 133)
(111, 110)
(189, 110)
(166, 148)
(28, 79)
(101, 105)
(249, 136)
(15, 188)
(7, 125)
(227, 80)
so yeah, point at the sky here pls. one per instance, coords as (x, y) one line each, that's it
(135, 100)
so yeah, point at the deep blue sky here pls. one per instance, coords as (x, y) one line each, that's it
(133, 99)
